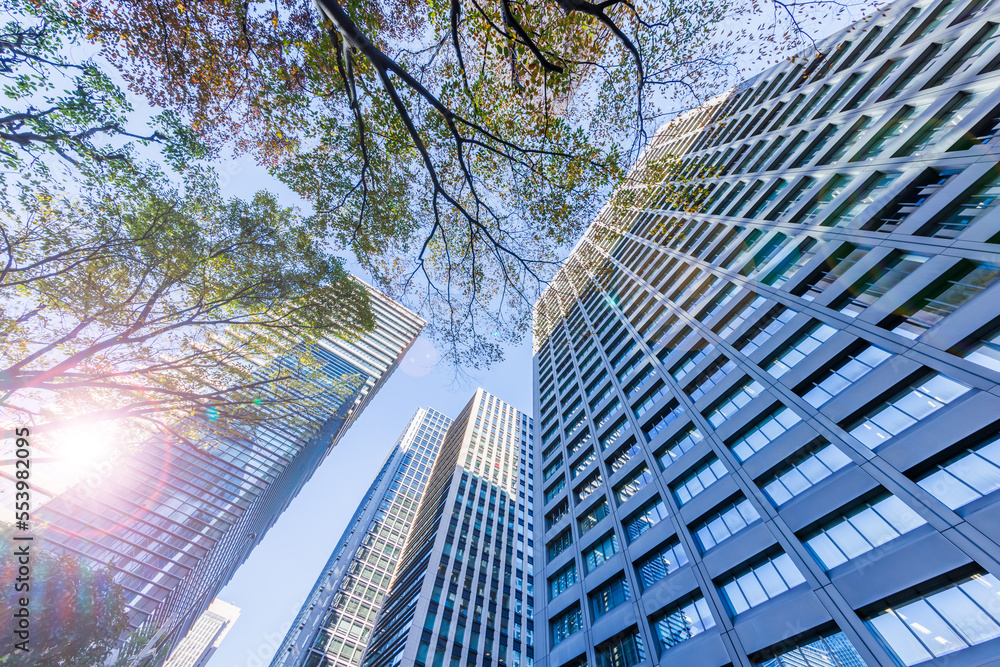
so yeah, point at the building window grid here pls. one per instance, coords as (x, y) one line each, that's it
(725, 523)
(862, 529)
(763, 431)
(760, 583)
(682, 623)
(700, 479)
(805, 473)
(936, 624)
(968, 476)
(894, 416)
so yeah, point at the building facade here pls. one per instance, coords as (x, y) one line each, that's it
(336, 620)
(175, 520)
(204, 637)
(462, 592)
(767, 393)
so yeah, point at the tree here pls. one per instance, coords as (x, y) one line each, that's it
(138, 297)
(74, 112)
(454, 146)
(77, 613)
(146, 303)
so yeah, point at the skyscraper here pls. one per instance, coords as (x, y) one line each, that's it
(462, 592)
(204, 637)
(767, 394)
(176, 520)
(336, 620)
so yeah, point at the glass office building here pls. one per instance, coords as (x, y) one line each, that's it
(462, 594)
(176, 520)
(767, 393)
(336, 620)
(205, 636)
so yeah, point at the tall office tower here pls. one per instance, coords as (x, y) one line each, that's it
(337, 618)
(462, 592)
(768, 406)
(176, 521)
(204, 637)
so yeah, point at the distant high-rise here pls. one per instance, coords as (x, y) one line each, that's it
(336, 620)
(767, 389)
(462, 592)
(176, 521)
(204, 637)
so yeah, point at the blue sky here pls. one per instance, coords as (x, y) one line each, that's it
(272, 584)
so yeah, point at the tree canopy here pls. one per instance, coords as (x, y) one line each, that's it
(453, 146)
(147, 301)
(77, 612)
(138, 294)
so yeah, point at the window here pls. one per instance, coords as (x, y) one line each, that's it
(682, 622)
(622, 650)
(922, 63)
(975, 207)
(761, 583)
(624, 455)
(678, 445)
(861, 530)
(566, 623)
(763, 329)
(633, 484)
(662, 419)
(945, 120)
(859, 200)
(833, 651)
(986, 352)
(604, 549)
(858, 130)
(945, 297)
(932, 21)
(800, 349)
(826, 194)
(836, 265)
(793, 261)
(878, 282)
(725, 523)
(910, 199)
(660, 563)
(793, 197)
(562, 580)
(967, 57)
(552, 469)
(735, 400)
(916, 403)
(593, 516)
(855, 367)
(609, 596)
(557, 513)
(804, 473)
(947, 620)
(763, 431)
(897, 125)
(814, 149)
(581, 465)
(881, 76)
(655, 393)
(560, 543)
(717, 370)
(645, 518)
(589, 485)
(555, 489)
(699, 480)
(968, 476)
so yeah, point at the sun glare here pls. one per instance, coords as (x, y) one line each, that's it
(85, 446)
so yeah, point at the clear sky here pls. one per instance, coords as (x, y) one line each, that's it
(273, 583)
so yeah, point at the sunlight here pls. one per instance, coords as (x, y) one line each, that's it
(85, 446)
